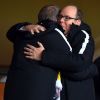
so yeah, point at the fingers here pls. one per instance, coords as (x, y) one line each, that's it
(29, 57)
(41, 28)
(38, 28)
(30, 47)
(32, 52)
(32, 32)
(28, 50)
(40, 44)
(28, 53)
(34, 28)
(29, 28)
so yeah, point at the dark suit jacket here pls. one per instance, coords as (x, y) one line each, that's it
(29, 79)
(97, 79)
(78, 79)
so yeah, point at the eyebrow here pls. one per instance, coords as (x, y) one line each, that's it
(66, 17)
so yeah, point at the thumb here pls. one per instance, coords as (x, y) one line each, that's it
(40, 44)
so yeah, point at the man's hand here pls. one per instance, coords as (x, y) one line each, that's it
(32, 52)
(34, 28)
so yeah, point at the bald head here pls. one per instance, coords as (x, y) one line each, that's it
(72, 11)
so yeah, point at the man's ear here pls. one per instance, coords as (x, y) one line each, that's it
(77, 22)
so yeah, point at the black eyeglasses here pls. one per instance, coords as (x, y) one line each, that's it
(66, 18)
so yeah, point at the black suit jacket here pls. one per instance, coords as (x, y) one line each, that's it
(77, 78)
(29, 79)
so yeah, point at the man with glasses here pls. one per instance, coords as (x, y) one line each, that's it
(76, 85)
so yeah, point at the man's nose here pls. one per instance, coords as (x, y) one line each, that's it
(61, 20)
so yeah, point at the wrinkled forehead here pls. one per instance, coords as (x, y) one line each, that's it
(70, 11)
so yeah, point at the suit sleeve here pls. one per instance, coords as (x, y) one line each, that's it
(75, 61)
(14, 30)
(69, 62)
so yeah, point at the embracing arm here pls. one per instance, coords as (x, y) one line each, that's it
(68, 62)
(77, 65)
(19, 28)
(14, 30)
(77, 60)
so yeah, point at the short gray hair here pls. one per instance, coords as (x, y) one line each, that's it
(48, 12)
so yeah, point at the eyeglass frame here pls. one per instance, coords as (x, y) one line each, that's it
(66, 18)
